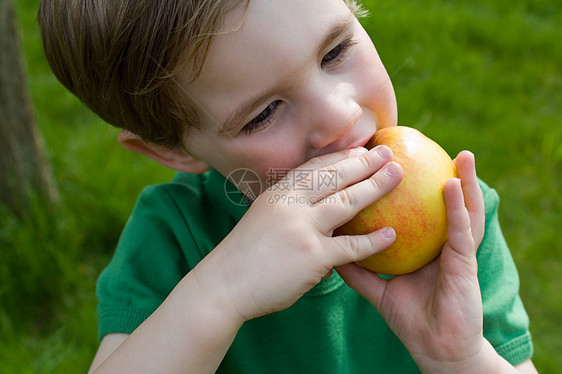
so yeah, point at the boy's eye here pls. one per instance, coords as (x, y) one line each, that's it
(262, 120)
(334, 53)
(338, 53)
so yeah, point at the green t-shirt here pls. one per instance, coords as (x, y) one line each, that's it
(331, 329)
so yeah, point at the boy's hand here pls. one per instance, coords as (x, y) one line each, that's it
(437, 310)
(283, 247)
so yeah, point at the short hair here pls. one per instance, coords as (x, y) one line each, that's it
(121, 58)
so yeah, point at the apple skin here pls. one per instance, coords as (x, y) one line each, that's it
(415, 208)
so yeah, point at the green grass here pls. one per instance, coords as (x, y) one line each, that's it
(479, 75)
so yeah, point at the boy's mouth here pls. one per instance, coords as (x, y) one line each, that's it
(360, 143)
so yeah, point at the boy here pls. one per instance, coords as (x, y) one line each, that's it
(200, 283)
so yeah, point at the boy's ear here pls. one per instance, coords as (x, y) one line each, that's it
(174, 158)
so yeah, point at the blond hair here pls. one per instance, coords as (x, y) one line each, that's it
(122, 57)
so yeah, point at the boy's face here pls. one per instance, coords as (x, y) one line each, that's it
(294, 80)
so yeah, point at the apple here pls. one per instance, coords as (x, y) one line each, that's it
(415, 208)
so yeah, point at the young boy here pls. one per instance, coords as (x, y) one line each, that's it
(203, 283)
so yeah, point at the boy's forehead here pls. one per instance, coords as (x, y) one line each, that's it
(271, 27)
(265, 43)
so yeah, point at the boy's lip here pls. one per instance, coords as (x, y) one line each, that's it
(360, 143)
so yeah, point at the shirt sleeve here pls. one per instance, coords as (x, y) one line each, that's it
(147, 264)
(506, 323)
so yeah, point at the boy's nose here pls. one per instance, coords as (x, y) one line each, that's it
(334, 116)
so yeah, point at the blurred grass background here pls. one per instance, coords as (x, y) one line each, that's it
(478, 75)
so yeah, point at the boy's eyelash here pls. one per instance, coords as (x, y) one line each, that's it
(263, 119)
(337, 54)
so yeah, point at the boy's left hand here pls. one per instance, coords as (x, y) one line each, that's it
(437, 311)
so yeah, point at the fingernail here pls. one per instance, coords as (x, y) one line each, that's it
(384, 151)
(388, 233)
(392, 169)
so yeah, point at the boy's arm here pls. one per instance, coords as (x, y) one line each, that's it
(180, 334)
(487, 361)
(274, 255)
(108, 344)
(527, 367)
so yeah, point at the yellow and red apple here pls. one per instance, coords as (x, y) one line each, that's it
(415, 208)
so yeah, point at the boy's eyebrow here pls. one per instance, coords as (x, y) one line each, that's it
(248, 107)
(341, 27)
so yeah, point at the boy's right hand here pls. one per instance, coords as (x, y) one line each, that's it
(276, 253)
(283, 247)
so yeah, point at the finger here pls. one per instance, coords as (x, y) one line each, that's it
(351, 170)
(306, 175)
(340, 207)
(352, 248)
(355, 169)
(459, 233)
(316, 172)
(474, 201)
(331, 158)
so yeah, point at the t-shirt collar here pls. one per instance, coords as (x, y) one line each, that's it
(228, 196)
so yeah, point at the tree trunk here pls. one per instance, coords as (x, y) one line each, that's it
(23, 167)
